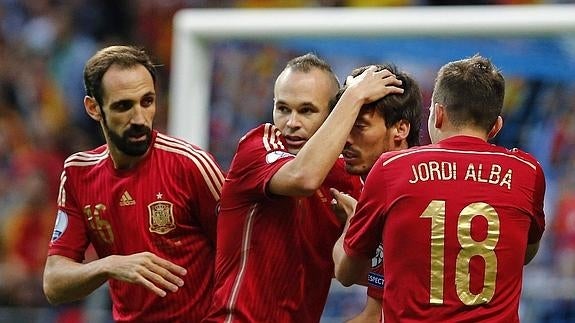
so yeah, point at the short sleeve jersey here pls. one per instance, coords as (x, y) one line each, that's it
(273, 259)
(375, 279)
(165, 205)
(455, 219)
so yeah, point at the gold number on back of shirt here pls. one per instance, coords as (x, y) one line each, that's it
(469, 248)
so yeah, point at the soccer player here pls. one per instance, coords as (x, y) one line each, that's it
(266, 266)
(388, 124)
(144, 200)
(458, 218)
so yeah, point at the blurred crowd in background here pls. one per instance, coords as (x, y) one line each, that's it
(45, 43)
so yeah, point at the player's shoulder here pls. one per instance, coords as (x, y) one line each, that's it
(171, 144)
(518, 153)
(266, 135)
(508, 156)
(88, 158)
(170, 147)
(267, 131)
(522, 156)
(395, 155)
(262, 145)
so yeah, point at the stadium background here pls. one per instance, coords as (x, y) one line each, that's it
(44, 44)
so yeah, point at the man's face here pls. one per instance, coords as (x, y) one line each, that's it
(301, 104)
(129, 107)
(368, 139)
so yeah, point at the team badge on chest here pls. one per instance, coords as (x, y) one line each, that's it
(161, 217)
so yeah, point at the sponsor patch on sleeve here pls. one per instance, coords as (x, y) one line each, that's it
(273, 156)
(60, 226)
(375, 280)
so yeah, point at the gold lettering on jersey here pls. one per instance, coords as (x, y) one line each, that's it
(102, 227)
(161, 216)
(447, 171)
(433, 171)
(493, 176)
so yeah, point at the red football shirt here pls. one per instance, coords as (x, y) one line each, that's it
(320, 231)
(273, 259)
(165, 205)
(455, 219)
(375, 279)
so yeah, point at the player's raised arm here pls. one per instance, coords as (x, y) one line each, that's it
(305, 173)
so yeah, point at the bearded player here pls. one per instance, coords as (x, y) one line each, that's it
(388, 124)
(145, 201)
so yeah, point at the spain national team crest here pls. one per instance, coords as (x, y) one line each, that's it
(161, 217)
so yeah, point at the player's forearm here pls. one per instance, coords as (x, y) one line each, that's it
(66, 280)
(338, 255)
(348, 270)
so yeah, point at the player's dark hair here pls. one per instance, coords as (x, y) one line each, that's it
(472, 91)
(397, 106)
(124, 56)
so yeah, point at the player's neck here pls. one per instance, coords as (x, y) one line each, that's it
(470, 132)
(122, 161)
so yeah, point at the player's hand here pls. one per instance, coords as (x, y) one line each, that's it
(342, 204)
(145, 268)
(370, 85)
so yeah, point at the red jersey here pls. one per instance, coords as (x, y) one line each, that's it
(273, 259)
(455, 219)
(375, 279)
(165, 205)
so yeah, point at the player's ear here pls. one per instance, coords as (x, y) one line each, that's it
(496, 128)
(92, 108)
(401, 128)
(440, 117)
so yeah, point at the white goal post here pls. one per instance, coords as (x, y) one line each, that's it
(194, 29)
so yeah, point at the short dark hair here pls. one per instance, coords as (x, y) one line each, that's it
(398, 106)
(124, 56)
(472, 91)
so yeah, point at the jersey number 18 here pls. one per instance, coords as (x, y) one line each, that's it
(469, 248)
